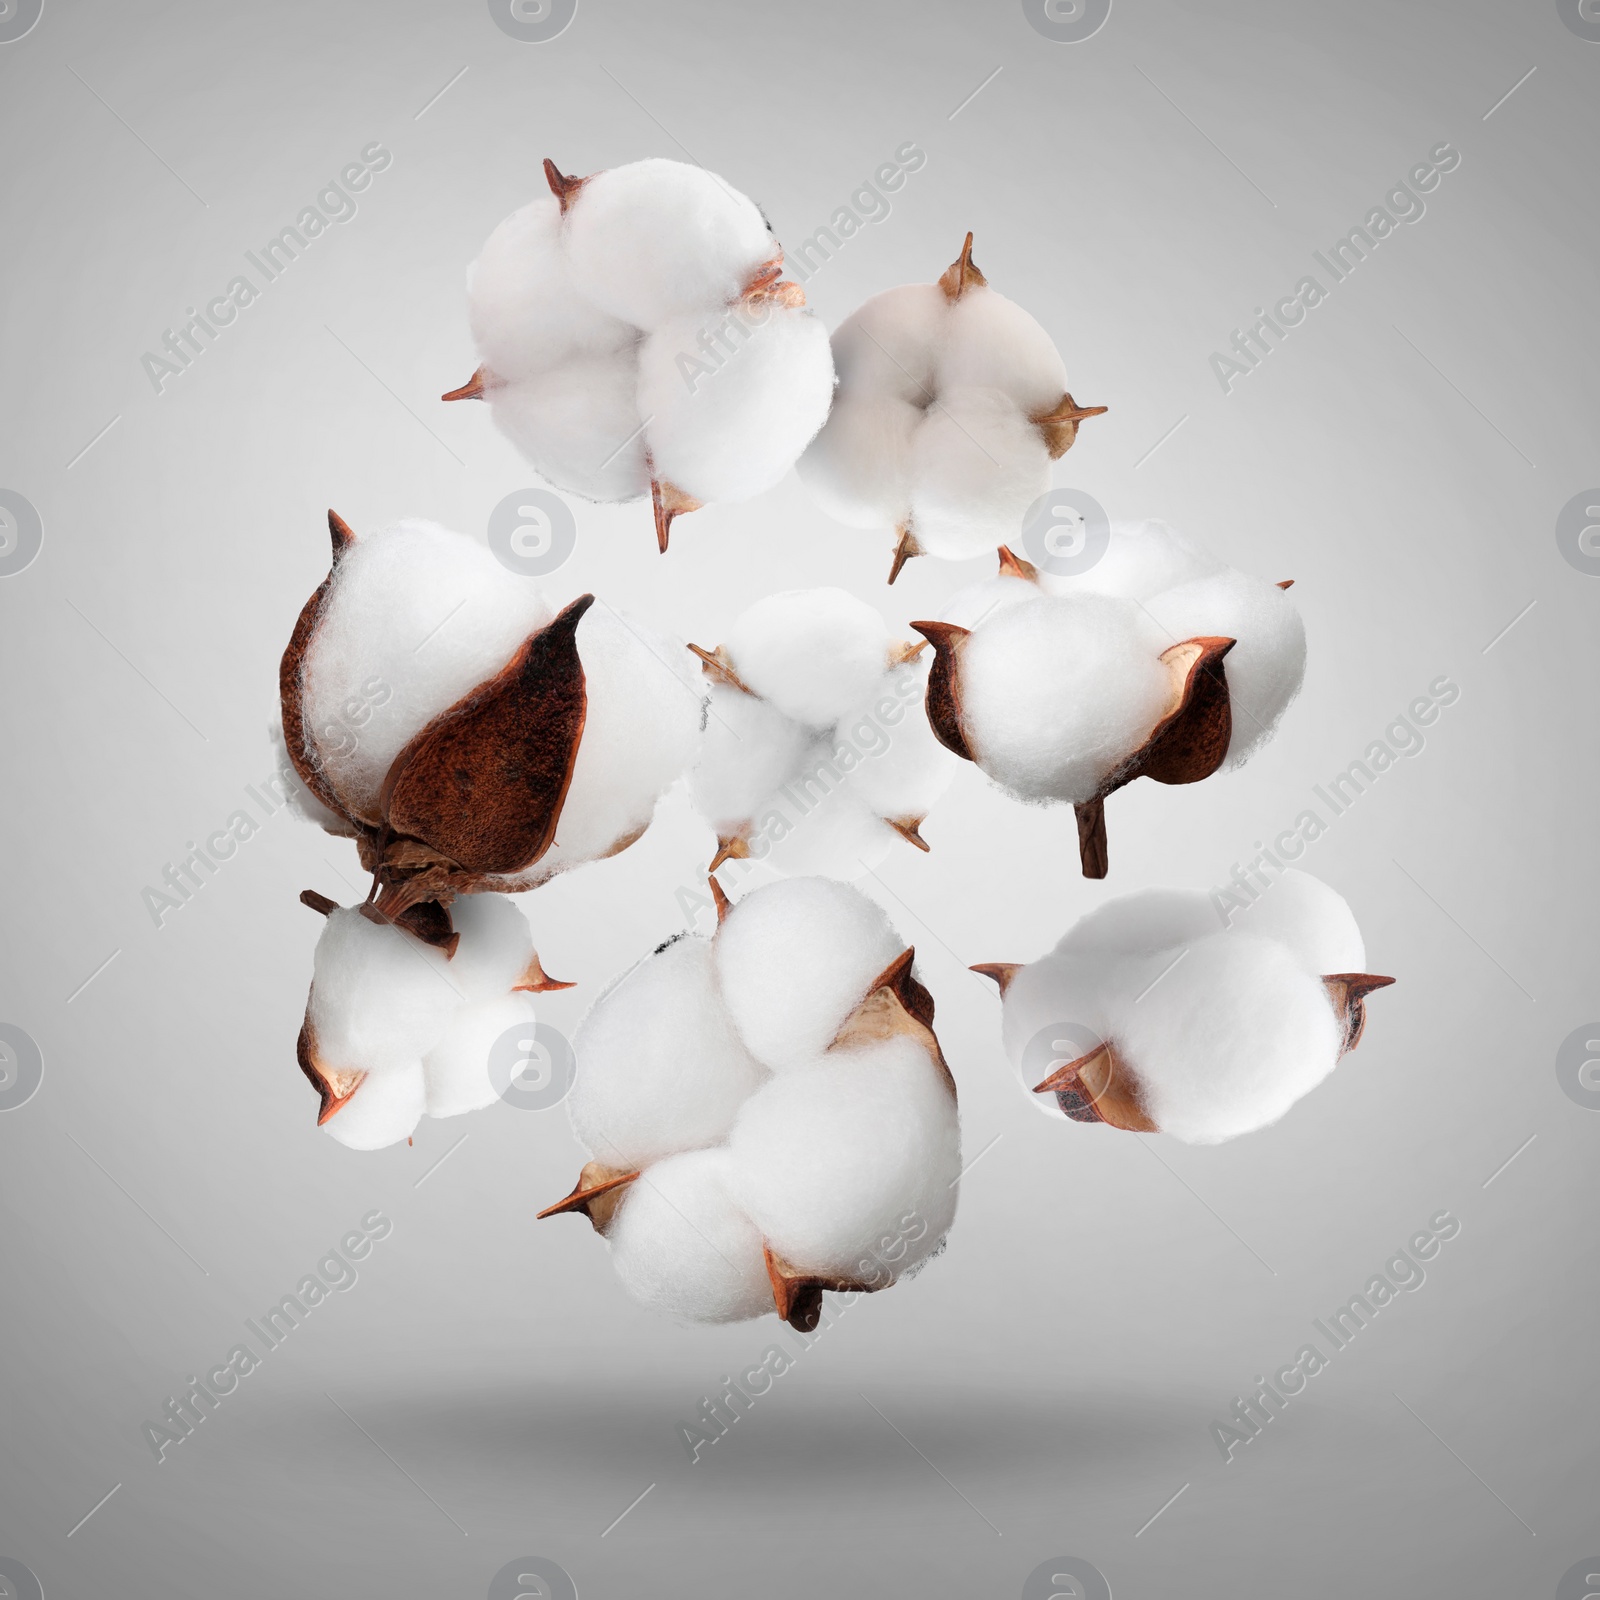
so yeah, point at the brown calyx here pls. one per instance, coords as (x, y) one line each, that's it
(1001, 972)
(668, 502)
(334, 1085)
(535, 980)
(943, 695)
(1287, 583)
(723, 904)
(1058, 427)
(904, 650)
(1099, 1087)
(962, 274)
(565, 189)
(1348, 992)
(718, 665)
(904, 550)
(907, 827)
(1013, 566)
(896, 1005)
(597, 1194)
(730, 847)
(475, 387)
(797, 1295)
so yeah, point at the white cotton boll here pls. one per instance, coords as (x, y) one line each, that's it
(416, 617)
(977, 465)
(455, 1072)
(795, 959)
(1140, 560)
(1056, 694)
(835, 836)
(579, 426)
(385, 1109)
(681, 1244)
(732, 397)
(994, 344)
(1143, 923)
(903, 769)
(839, 1162)
(495, 947)
(1313, 922)
(656, 239)
(812, 653)
(890, 345)
(979, 601)
(1265, 668)
(1227, 1040)
(526, 310)
(749, 747)
(858, 468)
(660, 1067)
(380, 999)
(640, 733)
(1063, 991)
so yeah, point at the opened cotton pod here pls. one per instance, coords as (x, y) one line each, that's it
(635, 336)
(952, 404)
(767, 1112)
(1171, 1021)
(817, 755)
(467, 735)
(1159, 662)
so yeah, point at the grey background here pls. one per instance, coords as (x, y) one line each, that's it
(486, 1391)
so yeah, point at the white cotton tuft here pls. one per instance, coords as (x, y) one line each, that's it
(301, 800)
(841, 1161)
(748, 749)
(903, 770)
(733, 396)
(656, 239)
(795, 959)
(681, 1244)
(1057, 694)
(456, 1072)
(835, 834)
(526, 310)
(812, 653)
(994, 344)
(416, 617)
(978, 602)
(494, 950)
(1227, 1040)
(1140, 560)
(579, 426)
(660, 1067)
(385, 1109)
(1313, 922)
(1143, 923)
(858, 468)
(889, 347)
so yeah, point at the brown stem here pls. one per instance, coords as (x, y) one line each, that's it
(1092, 837)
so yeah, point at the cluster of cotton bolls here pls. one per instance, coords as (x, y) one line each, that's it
(439, 709)
(817, 755)
(1159, 661)
(397, 1028)
(952, 403)
(635, 336)
(1172, 1022)
(767, 1111)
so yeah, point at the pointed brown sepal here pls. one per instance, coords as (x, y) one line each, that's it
(718, 665)
(1058, 427)
(429, 921)
(565, 189)
(1013, 566)
(723, 904)
(340, 533)
(1094, 855)
(905, 650)
(597, 1194)
(333, 1085)
(943, 699)
(318, 902)
(1002, 972)
(904, 550)
(1097, 1087)
(1348, 991)
(474, 388)
(907, 827)
(895, 1006)
(962, 274)
(483, 784)
(1189, 743)
(764, 276)
(1287, 583)
(730, 847)
(535, 980)
(668, 502)
(797, 1295)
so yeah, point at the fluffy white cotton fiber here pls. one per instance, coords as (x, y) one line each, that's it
(416, 617)
(681, 1243)
(1223, 1028)
(707, 1069)
(384, 1110)
(812, 653)
(456, 1072)
(794, 959)
(660, 1066)
(749, 748)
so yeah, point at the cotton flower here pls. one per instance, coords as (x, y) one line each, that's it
(1173, 1022)
(767, 1112)
(635, 336)
(1158, 662)
(400, 1025)
(952, 404)
(817, 755)
(471, 738)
